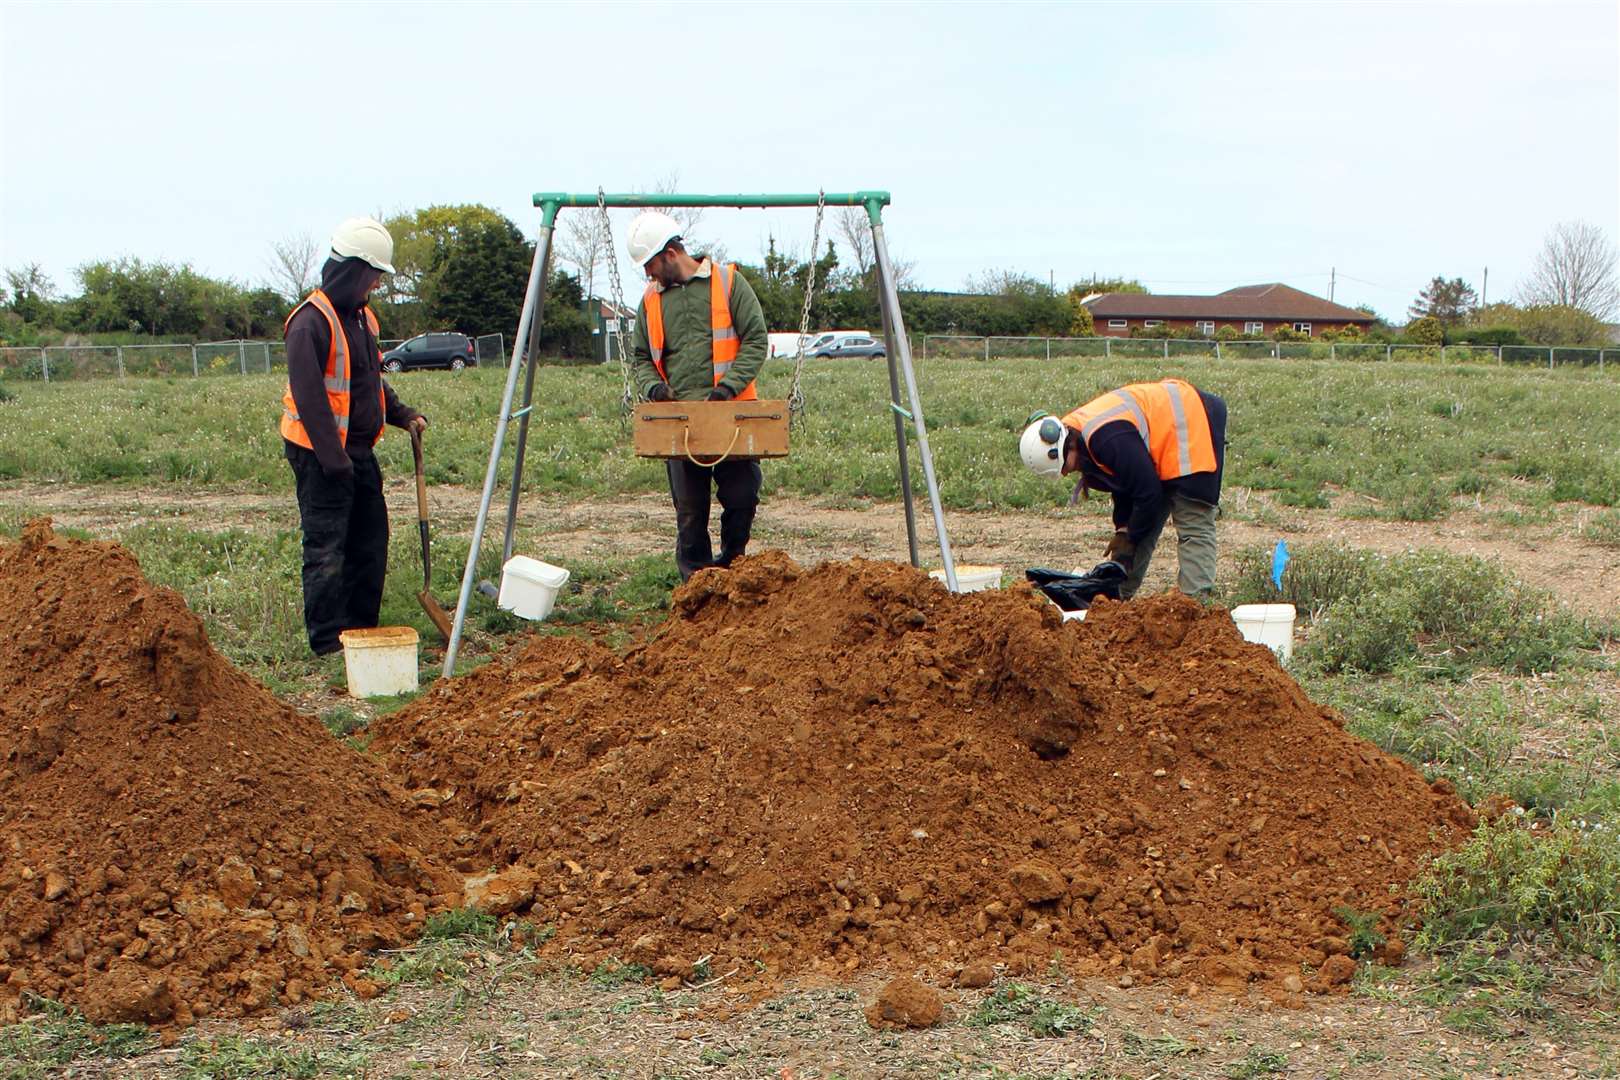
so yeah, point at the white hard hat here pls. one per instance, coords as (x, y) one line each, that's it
(1041, 446)
(364, 238)
(651, 233)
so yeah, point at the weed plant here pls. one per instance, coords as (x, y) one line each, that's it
(53, 1036)
(1045, 1017)
(1553, 888)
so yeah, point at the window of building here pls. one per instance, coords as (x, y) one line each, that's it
(1206, 327)
(1116, 324)
(1254, 328)
(1303, 327)
(1151, 323)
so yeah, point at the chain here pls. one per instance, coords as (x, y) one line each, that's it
(629, 395)
(796, 394)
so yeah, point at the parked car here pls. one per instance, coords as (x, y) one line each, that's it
(850, 346)
(453, 351)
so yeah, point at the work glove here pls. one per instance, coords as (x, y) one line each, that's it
(721, 393)
(1120, 549)
(660, 391)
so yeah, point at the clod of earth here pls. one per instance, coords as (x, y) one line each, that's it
(905, 1003)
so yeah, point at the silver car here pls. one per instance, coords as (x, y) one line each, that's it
(851, 346)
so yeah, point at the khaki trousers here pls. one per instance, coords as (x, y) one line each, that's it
(1195, 548)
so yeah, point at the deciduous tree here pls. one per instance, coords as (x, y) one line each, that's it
(1576, 268)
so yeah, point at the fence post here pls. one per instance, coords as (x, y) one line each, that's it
(1499, 354)
(1333, 352)
(1389, 353)
(1443, 348)
(1108, 348)
(266, 348)
(120, 361)
(1167, 348)
(1549, 357)
(1049, 352)
(45, 363)
(241, 355)
(1217, 349)
(987, 347)
(193, 359)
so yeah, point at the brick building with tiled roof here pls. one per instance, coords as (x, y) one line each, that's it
(1248, 309)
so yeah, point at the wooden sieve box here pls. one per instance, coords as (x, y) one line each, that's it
(711, 431)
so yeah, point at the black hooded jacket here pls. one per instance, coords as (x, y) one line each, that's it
(309, 338)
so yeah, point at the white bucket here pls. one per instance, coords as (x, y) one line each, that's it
(1271, 625)
(380, 661)
(1070, 616)
(972, 578)
(529, 587)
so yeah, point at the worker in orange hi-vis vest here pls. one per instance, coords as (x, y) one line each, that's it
(332, 414)
(1158, 448)
(700, 335)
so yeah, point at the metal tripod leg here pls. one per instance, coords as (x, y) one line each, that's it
(890, 297)
(895, 407)
(531, 351)
(530, 317)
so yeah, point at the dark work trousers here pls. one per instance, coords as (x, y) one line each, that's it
(737, 484)
(345, 525)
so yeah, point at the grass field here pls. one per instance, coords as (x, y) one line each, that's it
(1448, 659)
(1410, 437)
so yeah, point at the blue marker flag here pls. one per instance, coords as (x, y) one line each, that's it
(1279, 561)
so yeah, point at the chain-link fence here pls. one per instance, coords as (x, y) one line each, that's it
(1004, 348)
(61, 363)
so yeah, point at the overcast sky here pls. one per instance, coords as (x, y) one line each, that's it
(1195, 146)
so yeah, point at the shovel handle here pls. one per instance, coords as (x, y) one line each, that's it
(421, 483)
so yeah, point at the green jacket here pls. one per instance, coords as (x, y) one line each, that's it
(689, 340)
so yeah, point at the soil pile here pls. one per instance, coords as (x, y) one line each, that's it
(850, 767)
(175, 842)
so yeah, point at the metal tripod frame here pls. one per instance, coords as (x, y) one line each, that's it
(527, 344)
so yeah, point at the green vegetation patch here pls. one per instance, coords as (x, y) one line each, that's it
(1019, 1003)
(54, 1035)
(1448, 614)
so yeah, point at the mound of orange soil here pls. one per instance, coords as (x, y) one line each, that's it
(850, 767)
(174, 841)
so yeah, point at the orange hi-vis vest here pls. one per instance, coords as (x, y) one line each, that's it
(725, 334)
(1170, 417)
(338, 372)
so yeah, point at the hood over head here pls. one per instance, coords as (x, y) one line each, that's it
(345, 281)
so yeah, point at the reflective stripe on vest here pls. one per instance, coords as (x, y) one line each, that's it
(724, 343)
(1170, 417)
(338, 377)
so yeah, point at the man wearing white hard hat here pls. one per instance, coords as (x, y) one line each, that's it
(700, 336)
(333, 412)
(1159, 449)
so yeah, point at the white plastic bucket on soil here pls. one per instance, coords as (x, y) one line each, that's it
(1271, 625)
(380, 661)
(1071, 616)
(529, 587)
(972, 578)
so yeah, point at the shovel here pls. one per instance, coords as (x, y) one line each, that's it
(435, 611)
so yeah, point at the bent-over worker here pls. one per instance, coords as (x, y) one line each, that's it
(700, 336)
(1158, 448)
(333, 412)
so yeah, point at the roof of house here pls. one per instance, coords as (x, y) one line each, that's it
(1274, 301)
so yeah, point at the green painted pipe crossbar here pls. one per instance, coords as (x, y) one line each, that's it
(551, 201)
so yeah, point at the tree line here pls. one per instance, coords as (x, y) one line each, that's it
(466, 267)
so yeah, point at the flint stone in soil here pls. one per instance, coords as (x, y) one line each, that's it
(1037, 881)
(502, 893)
(905, 1003)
